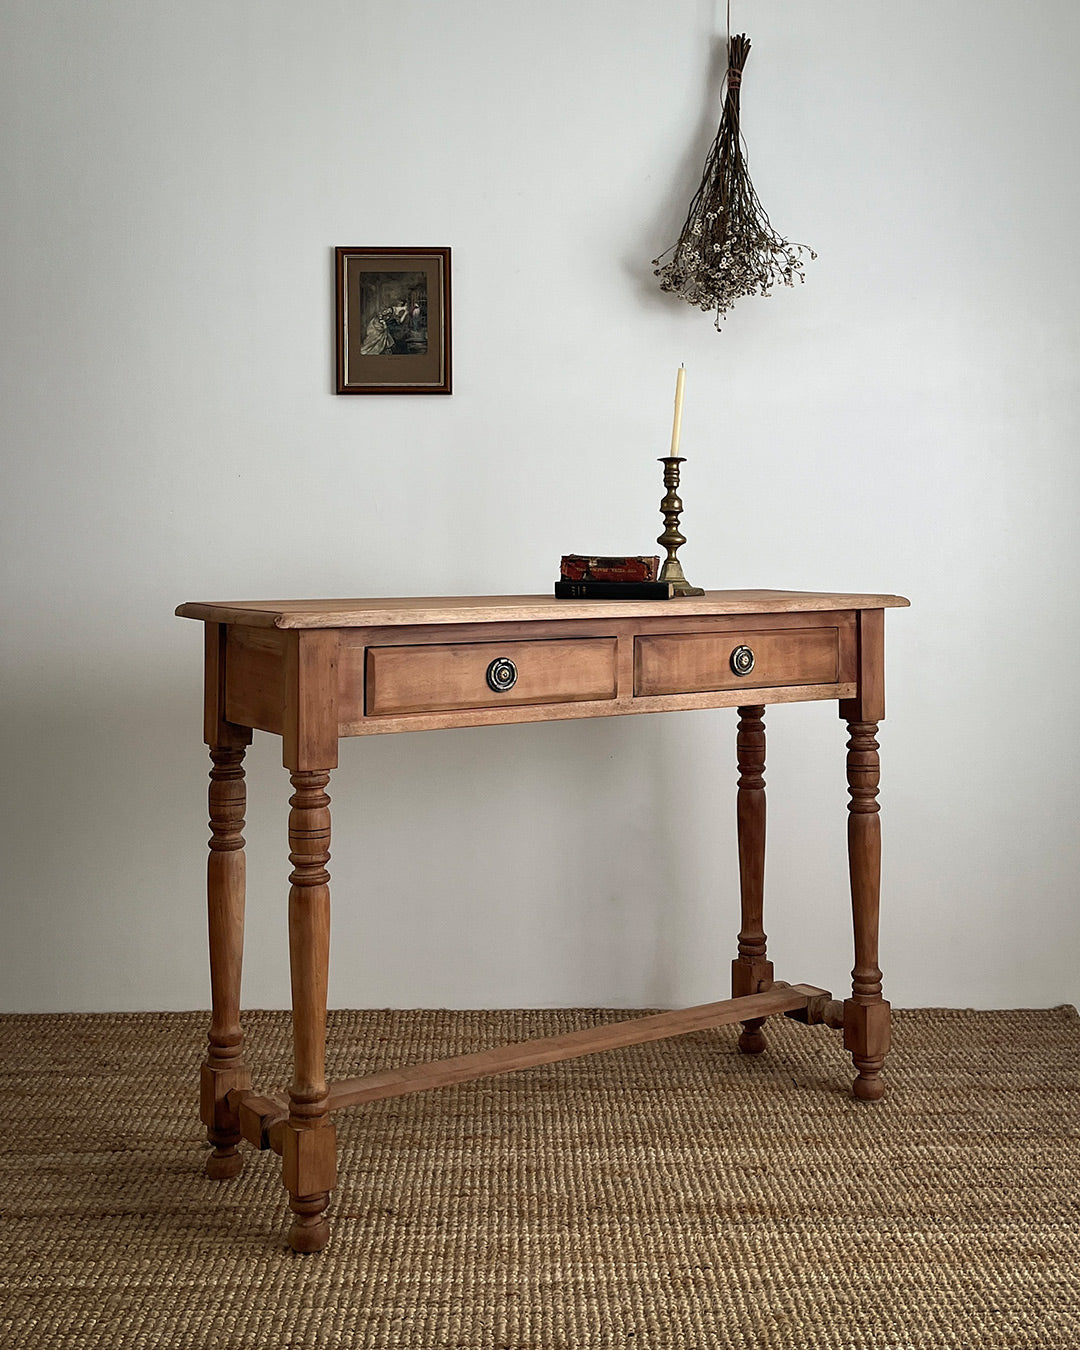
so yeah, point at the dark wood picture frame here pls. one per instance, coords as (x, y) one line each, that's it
(393, 320)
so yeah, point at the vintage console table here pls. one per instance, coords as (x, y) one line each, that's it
(312, 671)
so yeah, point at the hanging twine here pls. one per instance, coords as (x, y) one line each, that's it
(728, 247)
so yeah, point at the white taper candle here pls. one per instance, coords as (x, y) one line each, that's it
(676, 430)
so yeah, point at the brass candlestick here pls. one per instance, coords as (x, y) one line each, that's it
(672, 539)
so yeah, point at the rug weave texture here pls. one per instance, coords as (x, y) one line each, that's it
(667, 1195)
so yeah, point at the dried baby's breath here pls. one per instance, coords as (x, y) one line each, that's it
(728, 247)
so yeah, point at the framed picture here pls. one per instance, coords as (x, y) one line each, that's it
(393, 320)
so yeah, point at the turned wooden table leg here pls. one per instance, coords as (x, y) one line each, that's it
(750, 967)
(866, 1013)
(309, 1155)
(224, 1068)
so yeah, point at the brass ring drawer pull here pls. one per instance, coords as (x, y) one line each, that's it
(742, 661)
(501, 675)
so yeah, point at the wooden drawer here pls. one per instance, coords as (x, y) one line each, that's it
(440, 678)
(691, 663)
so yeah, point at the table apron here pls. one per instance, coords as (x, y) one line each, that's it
(657, 665)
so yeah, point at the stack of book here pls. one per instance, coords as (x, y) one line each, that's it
(629, 578)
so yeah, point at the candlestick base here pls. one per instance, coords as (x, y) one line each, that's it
(680, 583)
(672, 539)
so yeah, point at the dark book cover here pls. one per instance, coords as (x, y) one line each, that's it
(614, 590)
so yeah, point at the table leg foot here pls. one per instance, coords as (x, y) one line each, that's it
(750, 977)
(221, 1121)
(309, 1167)
(867, 1039)
(751, 1040)
(224, 1163)
(868, 1087)
(310, 1231)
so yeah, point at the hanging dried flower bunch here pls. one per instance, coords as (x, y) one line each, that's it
(728, 247)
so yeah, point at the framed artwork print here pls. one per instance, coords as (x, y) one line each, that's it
(393, 320)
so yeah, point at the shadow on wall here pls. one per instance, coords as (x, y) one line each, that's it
(101, 915)
(531, 858)
(682, 182)
(547, 859)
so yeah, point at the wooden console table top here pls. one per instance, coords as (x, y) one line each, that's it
(510, 608)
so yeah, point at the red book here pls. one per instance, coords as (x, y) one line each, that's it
(581, 567)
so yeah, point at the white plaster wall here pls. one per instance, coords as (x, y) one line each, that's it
(174, 181)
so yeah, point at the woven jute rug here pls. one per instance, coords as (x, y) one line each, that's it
(674, 1194)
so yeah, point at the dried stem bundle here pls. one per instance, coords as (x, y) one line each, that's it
(728, 247)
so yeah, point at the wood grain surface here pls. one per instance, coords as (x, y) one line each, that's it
(692, 663)
(497, 608)
(442, 677)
